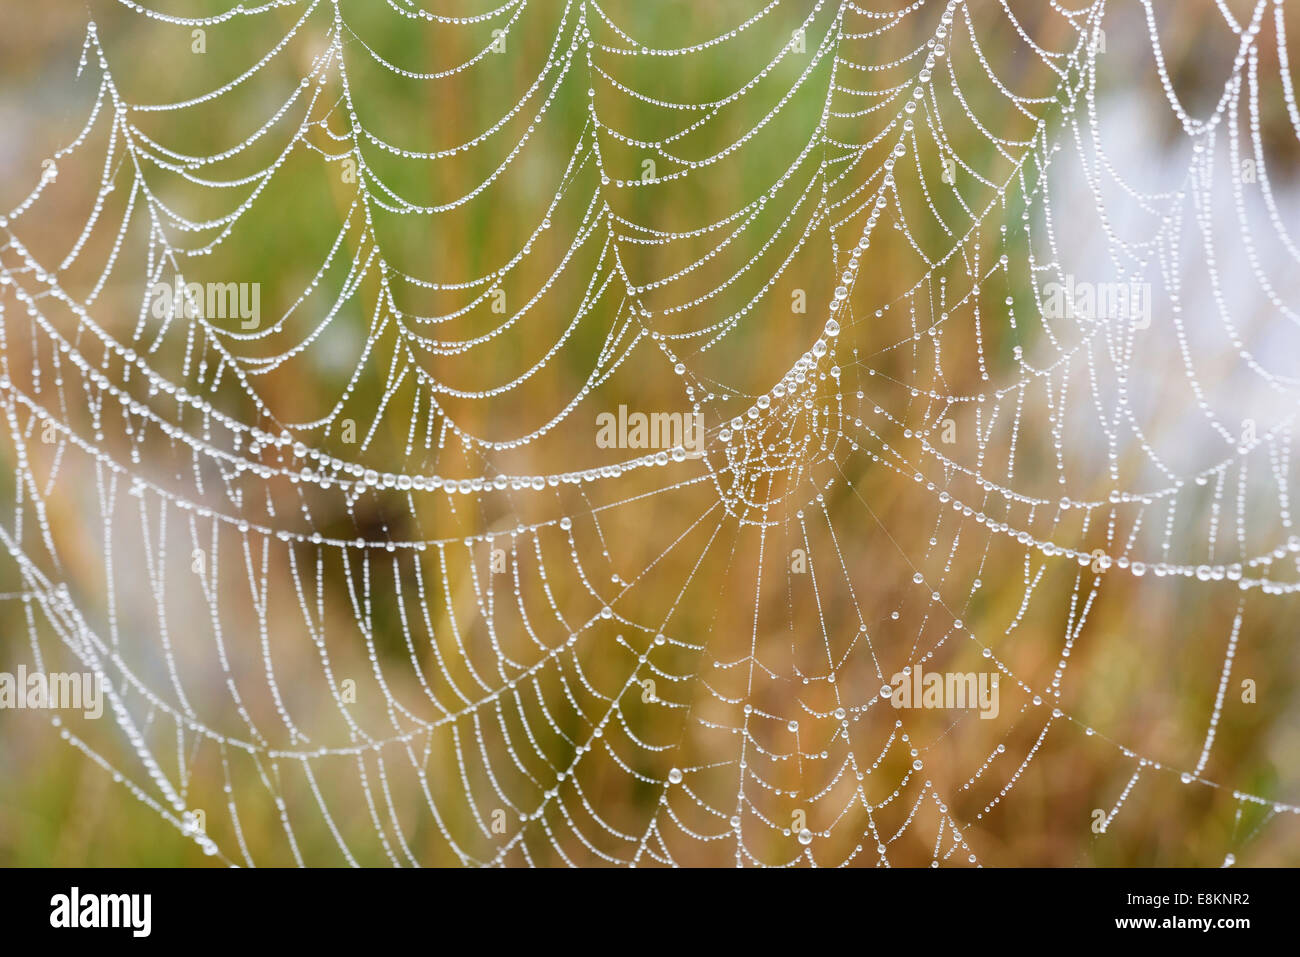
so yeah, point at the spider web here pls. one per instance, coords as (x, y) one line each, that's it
(363, 588)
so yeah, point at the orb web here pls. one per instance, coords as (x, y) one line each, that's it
(364, 588)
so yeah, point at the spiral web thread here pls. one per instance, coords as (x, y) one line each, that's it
(560, 658)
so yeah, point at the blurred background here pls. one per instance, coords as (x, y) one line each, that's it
(475, 230)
